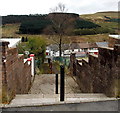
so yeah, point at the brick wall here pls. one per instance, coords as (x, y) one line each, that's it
(100, 73)
(16, 75)
(113, 41)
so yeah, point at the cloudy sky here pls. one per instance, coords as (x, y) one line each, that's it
(18, 7)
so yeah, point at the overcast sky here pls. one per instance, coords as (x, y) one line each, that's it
(18, 7)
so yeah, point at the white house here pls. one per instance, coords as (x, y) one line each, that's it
(13, 41)
(115, 36)
(67, 49)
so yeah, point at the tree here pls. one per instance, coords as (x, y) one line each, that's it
(35, 45)
(62, 24)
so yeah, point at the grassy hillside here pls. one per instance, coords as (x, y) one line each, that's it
(90, 38)
(10, 30)
(100, 15)
(100, 19)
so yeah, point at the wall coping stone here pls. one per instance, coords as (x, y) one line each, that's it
(85, 60)
(94, 55)
(107, 48)
(117, 44)
(79, 60)
(80, 63)
(20, 55)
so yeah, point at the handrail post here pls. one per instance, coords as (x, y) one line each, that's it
(56, 80)
(62, 83)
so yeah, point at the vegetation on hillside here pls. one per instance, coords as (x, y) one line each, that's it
(33, 27)
(84, 24)
(11, 30)
(38, 26)
(108, 20)
(12, 19)
(92, 31)
(35, 24)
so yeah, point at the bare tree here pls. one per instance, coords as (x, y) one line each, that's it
(62, 24)
(59, 8)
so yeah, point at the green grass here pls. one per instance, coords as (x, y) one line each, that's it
(10, 30)
(111, 25)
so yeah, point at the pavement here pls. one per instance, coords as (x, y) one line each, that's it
(45, 84)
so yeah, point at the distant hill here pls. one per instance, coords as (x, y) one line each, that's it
(88, 24)
(35, 24)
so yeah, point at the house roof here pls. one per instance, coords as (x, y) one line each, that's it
(53, 47)
(73, 46)
(83, 45)
(102, 44)
(93, 45)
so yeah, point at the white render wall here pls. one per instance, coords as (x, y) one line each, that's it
(13, 41)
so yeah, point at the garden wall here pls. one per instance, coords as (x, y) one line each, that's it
(16, 75)
(100, 73)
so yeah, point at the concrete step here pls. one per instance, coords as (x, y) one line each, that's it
(48, 99)
(82, 95)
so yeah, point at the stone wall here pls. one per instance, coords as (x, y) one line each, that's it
(16, 75)
(100, 73)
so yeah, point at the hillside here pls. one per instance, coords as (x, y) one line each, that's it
(100, 15)
(104, 19)
(11, 30)
(36, 24)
